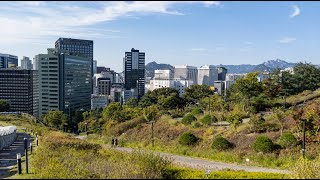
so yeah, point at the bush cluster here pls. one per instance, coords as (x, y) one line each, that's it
(221, 144)
(287, 140)
(263, 144)
(188, 138)
(208, 119)
(188, 119)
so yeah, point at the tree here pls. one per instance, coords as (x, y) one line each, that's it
(196, 92)
(55, 119)
(150, 113)
(158, 96)
(279, 115)
(132, 102)
(113, 111)
(4, 106)
(216, 103)
(248, 86)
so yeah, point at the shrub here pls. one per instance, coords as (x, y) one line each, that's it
(188, 138)
(263, 144)
(287, 140)
(208, 119)
(221, 143)
(188, 119)
(196, 111)
(175, 113)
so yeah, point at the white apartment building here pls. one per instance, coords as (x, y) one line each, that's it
(163, 74)
(178, 84)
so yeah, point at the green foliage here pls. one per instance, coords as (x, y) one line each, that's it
(216, 103)
(257, 121)
(55, 119)
(220, 143)
(150, 113)
(125, 126)
(287, 140)
(196, 124)
(188, 173)
(208, 119)
(4, 106)
(263, 144)
(188, 119)
(65, 157)
(166, 98)
(248, 86)
(306, 169)
(196, 111)
(132, 102)
(196, 92)
(188, 138)
(113, 112)
(175, 113)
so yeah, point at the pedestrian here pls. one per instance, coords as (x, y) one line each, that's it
(116, 142)
(112, 142)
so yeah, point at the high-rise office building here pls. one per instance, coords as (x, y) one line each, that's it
(104, 86)
(185, 72)
(95, 66)
(19, 88)
(26, 63)
(8, 61)
(134, 71)
(64, 81)
(101, 69)
(207, 74)
(36, 62)
(222, 72)
(163, 74)
(79, 46)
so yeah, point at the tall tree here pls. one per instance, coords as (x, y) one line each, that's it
(55, 119)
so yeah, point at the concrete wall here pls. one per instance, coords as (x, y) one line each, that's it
(7, 136)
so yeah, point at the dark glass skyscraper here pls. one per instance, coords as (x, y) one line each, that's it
(20, 89)
(134, 71)
(8, 61)
(79, 46)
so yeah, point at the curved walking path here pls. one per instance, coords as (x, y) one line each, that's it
(8, 156)
(198, 163)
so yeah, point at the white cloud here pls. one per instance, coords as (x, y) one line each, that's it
(287, 40)
(296, 11)
(29, 22)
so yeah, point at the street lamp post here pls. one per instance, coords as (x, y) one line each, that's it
(152, 133)
(304, 138)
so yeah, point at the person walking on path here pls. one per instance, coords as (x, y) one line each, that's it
(116, 142)
(112, 142)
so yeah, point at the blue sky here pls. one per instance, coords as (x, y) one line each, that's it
(190, 32)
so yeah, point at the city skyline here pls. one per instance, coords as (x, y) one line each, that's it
(193, 33)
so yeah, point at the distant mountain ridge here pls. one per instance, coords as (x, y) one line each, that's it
(269, 65)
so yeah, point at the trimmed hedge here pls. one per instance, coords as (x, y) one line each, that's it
(221, 144)
(188, 119)
(263, 144)
(188, 138)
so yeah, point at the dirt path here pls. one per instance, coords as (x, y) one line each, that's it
(202, 164)
(8, 156)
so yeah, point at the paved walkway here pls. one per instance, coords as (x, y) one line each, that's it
(203, 164)
(8, 156)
